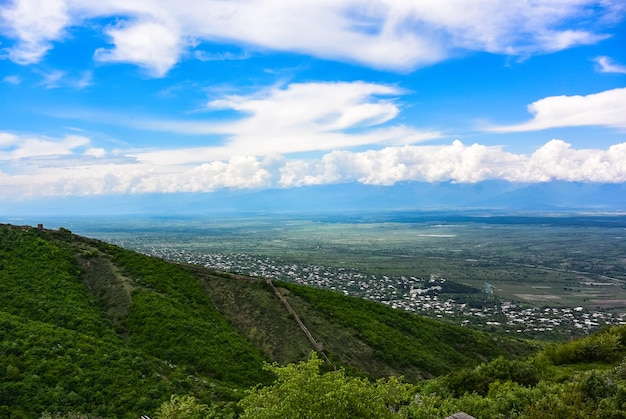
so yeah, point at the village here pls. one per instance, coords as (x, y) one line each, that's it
(418, 295)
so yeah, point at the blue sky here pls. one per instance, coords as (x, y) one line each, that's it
(154, 96)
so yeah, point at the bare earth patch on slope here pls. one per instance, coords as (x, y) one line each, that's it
(108, 284)
(252, 307)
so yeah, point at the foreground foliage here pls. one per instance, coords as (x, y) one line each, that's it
(551, 384)
(301, 391)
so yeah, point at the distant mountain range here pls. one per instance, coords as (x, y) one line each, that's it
(492, 195)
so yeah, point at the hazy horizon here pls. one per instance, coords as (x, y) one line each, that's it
(554, 197)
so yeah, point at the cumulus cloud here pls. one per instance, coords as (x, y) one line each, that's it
(238, 172)
(84, 170)
(457, 162)
(606, 108)
(389, 34)
(390, 165)
(607, 65)
(558, 160)
(35, 24)
(152, 45)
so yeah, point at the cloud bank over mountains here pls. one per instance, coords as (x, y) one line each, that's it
(73, 168)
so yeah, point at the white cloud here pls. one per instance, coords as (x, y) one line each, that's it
(154, 46)
(503, 27)
(238, 172)
(606, 108)
(607, 65)
(85, 80)
(7, 140)
(221, 56)
(55, 79)
(12, 79)
(69, 166)
(14, 147)
(95, 151)
(388, 34)
(322, 106)
(457, 162)
(35, 24)
(52, 79)
(297, 118)
(557, 160)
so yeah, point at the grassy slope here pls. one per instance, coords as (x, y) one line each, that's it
(366, 337)
(91, 327)
(394, 340)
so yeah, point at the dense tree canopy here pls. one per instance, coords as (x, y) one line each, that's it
(302, 391)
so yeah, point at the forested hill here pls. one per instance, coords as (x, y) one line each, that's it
(89, 327)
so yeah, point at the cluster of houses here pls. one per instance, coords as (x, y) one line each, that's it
(420, 295)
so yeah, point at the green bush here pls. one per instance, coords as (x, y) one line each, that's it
(605, 346)
(182, 407)
(301, 391)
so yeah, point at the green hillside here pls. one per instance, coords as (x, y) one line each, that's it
(92, 328)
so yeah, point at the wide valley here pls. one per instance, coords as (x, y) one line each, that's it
(550, 276)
